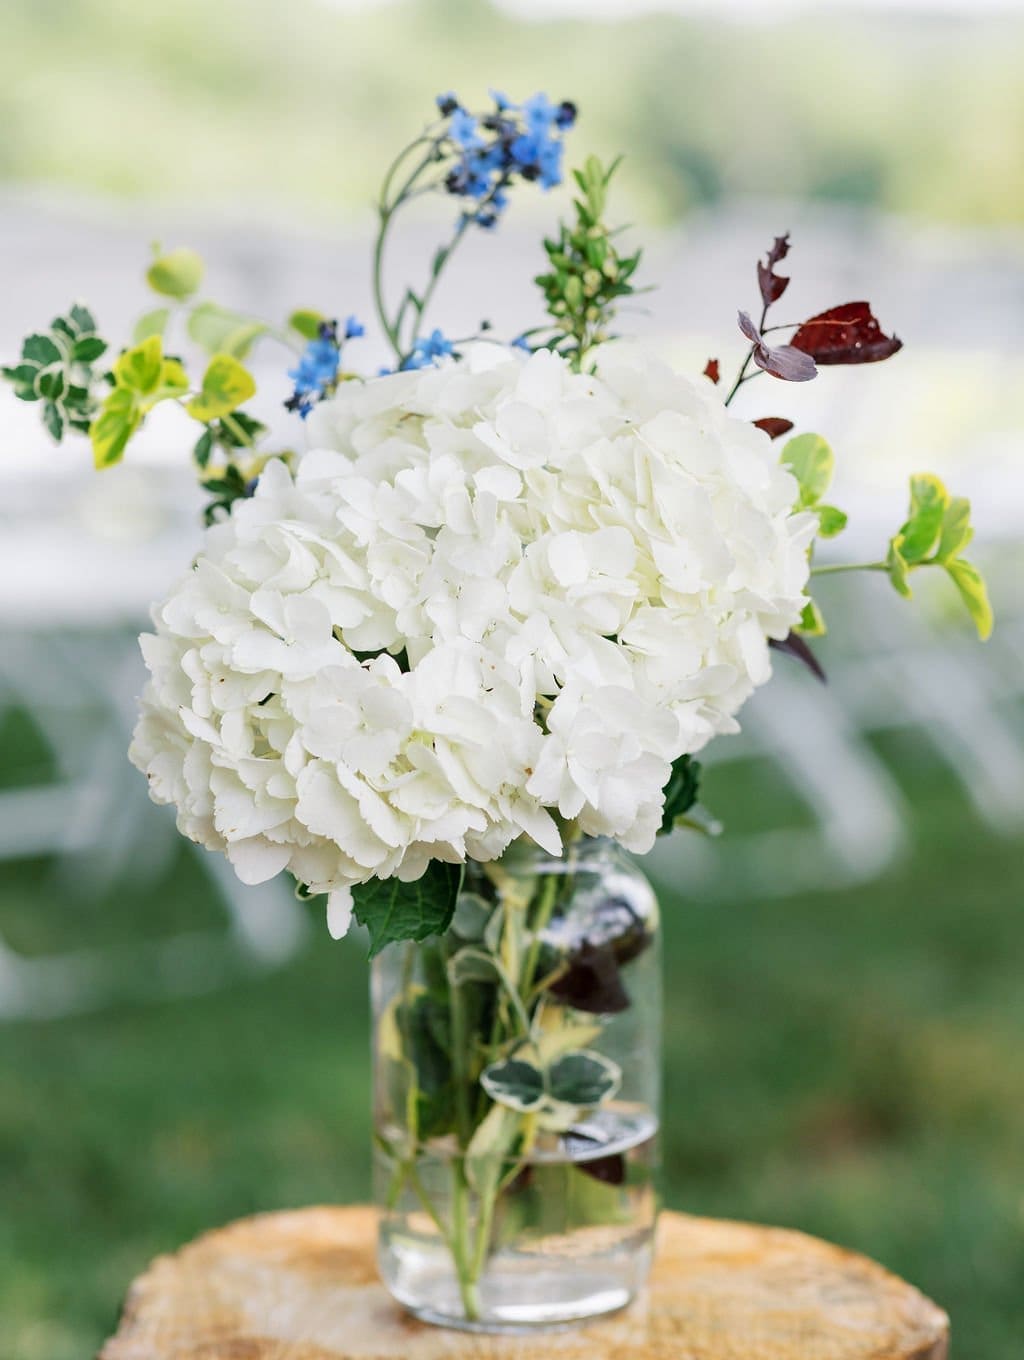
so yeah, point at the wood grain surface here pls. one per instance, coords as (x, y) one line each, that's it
(303, 1286)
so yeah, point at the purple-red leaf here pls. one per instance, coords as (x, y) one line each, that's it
(779, 250)
(773, 285)
(711, 371)
(774, 426)
(848, 334)
(785, 362)
(795, 646)
(781, 361)
(749, 329)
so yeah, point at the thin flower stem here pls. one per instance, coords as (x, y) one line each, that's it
(743, 375)
(387, 209)
(833, 568)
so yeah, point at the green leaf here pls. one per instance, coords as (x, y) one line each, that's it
(218, 330)
(928, 502)
(392, 910)
(21, 373)
(956, 530)
(51, 384)
(812, 463)
(177, 274)
(117, 421)
(151, 323)
(82, 319)
(53, 419)
(226, 385)
(474, 965)
(472, 912)
(812, 621)
(583, 1079)
(896, 565)
(680, 791)
(971, 585)
(23, 376)
(832, 521)
(173, 382)
(514, 1083)
(204, 448)
(139, 369)
(88, 349)
(307, 322)
(40, 349)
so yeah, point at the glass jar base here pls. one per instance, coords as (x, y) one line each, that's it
(521, 1295)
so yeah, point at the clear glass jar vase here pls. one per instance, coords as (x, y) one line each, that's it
(516, 1095)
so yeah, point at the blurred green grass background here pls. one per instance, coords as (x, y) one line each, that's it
(298, 106)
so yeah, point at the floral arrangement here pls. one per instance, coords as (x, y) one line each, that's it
(505, 597)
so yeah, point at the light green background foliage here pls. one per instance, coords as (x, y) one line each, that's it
(298, 105)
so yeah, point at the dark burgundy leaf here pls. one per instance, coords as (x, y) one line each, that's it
(795, 646)
(610, 1169)
(779, 250)
(849, 334)
(592, 982)
(774, 426)
(711, 370)
(781, 361)
(772, 285)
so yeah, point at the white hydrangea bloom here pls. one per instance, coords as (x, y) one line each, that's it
(496, 590)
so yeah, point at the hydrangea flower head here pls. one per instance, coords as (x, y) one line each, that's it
(497, 590)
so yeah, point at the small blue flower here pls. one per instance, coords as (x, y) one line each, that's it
(427, 349)
(464, 130)
(539, 112)
(316, 373)
(501, 100)
(551, 164)
(447, 103)
(521, 342)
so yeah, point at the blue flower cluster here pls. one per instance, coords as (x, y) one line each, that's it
(316, 373)
(516, 139)
(426, 350)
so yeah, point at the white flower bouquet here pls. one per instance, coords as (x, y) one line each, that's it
(501, 600)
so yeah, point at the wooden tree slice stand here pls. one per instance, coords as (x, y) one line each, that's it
(303, 1286)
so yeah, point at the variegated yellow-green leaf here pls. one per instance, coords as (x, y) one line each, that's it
(812, 621)
(177, 274)
(831, 521)
(307, 323)
(139, 369)
(173, 382)
(812, 463)
(971, 585)
(218, 330)
(117, 421)
(928, 501)
(956, 530)
(226, 385)
(896, 565)
(152, 323)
